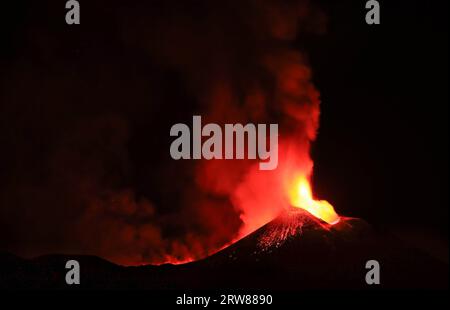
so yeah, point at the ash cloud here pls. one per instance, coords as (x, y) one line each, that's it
(86, 114)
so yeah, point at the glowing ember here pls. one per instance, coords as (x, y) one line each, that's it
(300, 196)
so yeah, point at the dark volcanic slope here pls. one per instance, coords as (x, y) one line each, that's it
(295, 251)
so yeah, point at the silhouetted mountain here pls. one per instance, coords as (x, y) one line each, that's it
(294, 251)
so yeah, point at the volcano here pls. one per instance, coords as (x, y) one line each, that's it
(295, 251)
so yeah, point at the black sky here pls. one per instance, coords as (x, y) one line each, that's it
(88, 105)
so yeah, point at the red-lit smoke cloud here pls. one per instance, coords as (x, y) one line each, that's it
(240, 63)
(76, 185)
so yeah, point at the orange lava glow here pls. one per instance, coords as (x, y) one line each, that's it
(300, 196)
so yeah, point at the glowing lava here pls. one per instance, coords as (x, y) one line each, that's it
(300, 196)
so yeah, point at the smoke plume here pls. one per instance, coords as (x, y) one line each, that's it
(88, 164)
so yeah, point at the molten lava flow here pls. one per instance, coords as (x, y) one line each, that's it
(300, 196)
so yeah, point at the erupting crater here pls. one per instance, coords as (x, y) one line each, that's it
(300, 196)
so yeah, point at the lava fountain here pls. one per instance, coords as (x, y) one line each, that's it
(300, 196)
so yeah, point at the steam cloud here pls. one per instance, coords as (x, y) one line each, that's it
(87, 168)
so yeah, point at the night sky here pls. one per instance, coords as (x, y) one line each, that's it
(86, 111)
